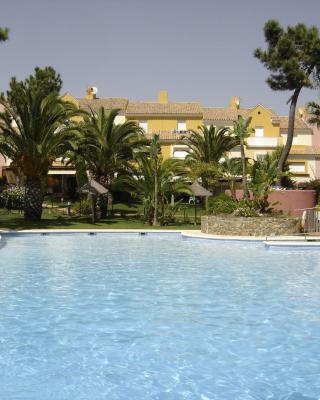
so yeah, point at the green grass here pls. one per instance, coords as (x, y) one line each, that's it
(52, 219)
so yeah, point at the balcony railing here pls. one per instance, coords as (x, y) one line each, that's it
(263, 141)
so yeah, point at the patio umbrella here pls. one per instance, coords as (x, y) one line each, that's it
(93, 189)
(198, 191)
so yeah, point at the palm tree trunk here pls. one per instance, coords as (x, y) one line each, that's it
(103, 200)
(233, 189)
(103, 205)
(33, 199)
(155, 211)
(286, 150)
(246, 194)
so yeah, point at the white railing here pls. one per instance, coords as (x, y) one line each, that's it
(262, 141)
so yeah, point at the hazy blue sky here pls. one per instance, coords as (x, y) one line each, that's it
(197, 50)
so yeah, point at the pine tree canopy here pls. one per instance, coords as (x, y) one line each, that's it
(4, 34)
(292, 56)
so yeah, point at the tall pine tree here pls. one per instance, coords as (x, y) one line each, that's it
(293, 58)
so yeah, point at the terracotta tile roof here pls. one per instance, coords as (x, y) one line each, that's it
(108, 103)
(305, 150)
(298, 124)
(223, 114)
(150, 108)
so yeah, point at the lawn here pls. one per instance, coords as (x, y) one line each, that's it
(57, 219)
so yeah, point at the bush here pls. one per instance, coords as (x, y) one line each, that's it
(222, 204)
(12, 198)
(169, 212)
(246, 210)
(82, 207)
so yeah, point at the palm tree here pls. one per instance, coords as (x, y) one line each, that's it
(264, 174)
(34, 134)
(154, 180)
(241, 131)
(231, 169)
(107, 148)
(314, 110)
(206, 147)
(209, 144)
(155, 151)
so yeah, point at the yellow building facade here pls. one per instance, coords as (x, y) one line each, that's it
(172, 120)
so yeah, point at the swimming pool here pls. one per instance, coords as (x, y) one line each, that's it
(124, 316)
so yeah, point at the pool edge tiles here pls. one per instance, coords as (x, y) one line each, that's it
(89, 232)
(269, 242)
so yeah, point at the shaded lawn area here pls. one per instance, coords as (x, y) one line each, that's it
(52, 220)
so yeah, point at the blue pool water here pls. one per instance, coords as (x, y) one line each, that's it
(157, 317)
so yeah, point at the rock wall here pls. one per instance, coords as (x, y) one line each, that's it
(251, 226)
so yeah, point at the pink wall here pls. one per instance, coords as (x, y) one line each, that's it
(289, 201)
(293, 201)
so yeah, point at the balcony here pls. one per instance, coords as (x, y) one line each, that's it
(263, 142)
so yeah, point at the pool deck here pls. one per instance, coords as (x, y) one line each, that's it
(269, 241)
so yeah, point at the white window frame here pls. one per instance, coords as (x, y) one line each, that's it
(143, 123)
(259, 131)
(182, 125)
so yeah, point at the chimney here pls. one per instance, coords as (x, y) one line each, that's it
(301, 112)
(163, 96)
(91, 93)
(235, 103)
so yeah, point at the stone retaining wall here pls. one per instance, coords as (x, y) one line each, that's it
(251, 226)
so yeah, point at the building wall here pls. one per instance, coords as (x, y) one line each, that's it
(301, 138)
(262, 117)
(315, 142)
(156, 124)
(166, 150)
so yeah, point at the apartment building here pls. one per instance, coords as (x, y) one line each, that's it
(172, 120)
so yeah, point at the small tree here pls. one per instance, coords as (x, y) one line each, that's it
(264, 174)
(241, 131)
(154, 180)
(231, 169)
(293, 57)
(207, 146)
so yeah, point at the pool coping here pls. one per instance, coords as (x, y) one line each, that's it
(195, 234)
(269, 241)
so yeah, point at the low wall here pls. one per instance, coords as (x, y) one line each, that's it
(251, 226)
(288, 201)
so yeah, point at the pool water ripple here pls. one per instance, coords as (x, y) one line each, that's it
(157, 317)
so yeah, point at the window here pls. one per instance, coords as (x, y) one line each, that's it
(297, 167)
(179, 152)
(182, 125)
(259, 132)
(144, 125)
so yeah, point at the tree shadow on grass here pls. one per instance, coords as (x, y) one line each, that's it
(15, 221)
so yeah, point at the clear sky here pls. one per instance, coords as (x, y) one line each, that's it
(195, 49)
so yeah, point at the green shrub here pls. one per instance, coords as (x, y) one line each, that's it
(168, 214)
(12, 198)
(82, 207)
(222, 204)
(246, 210)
